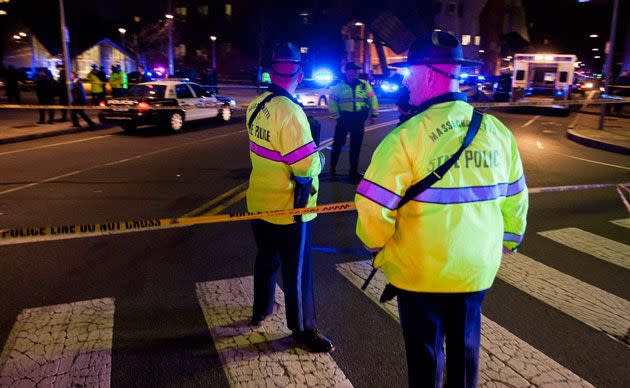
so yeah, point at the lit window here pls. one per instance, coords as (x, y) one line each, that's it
(137, 19)
(203, 10)
(465, 40)
(228, 9)
(477, 40)
(181, 11)
(304, 50)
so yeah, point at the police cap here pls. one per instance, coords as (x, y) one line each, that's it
(437, 47)
(285, 52)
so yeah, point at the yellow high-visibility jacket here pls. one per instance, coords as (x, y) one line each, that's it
(345, 98)
(98, 86)
(118, 80)
(449, 238)
(280, 145)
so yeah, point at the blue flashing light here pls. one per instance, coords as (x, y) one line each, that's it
(389, 87)
(149, 74)
(481, 78)
(405, 72)
(323, 76)
(463, 75)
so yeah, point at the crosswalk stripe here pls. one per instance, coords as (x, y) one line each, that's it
(624, 222)
(597, 246)
(504, 360)
(60, 346)
(263, 356)
(582, 301)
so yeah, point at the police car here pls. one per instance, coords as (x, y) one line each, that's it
(181, 101)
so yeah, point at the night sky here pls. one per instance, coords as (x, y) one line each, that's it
(565, 23)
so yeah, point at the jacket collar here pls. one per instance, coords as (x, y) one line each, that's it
(446, 97)
(275, 89)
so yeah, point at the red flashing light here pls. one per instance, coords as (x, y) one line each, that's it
(102, 103)
(143, 106)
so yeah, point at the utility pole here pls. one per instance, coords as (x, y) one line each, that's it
(609, 60)
(170, 19)
(65, 42)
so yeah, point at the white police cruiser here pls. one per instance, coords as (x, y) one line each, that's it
(181, 101)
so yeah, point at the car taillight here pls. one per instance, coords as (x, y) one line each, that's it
(143, 106)
(102, 103)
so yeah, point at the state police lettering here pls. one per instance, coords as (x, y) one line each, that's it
(470, 158)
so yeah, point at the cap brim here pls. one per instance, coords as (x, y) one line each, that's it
(470, 62)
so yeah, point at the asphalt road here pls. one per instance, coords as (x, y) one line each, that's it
(159, 335)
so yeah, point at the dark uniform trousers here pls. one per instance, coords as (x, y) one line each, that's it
(426, 319)
(285, 248)
(353, 123)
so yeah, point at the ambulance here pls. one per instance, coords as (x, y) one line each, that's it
(542, 77)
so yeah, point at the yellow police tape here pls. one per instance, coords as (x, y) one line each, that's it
(21, 235)
(604, 101)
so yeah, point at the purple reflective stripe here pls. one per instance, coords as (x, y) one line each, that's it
(378, 194)
(513, 237)
(264, 152)
(462, 194)
(300, 153)
(516, 187)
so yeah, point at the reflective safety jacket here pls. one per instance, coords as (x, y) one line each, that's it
(280, 145)
(118, 80)
(352, 98)
(98, 86)
(448, 238)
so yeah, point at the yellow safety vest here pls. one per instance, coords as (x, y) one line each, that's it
(280, 145)
(345, 98)
(118, 80)
(97, 85)
(448, 238)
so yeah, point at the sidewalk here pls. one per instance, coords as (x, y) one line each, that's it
(615, 137)
(22, 126)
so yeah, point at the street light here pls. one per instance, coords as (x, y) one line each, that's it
(122, 31)
(358, 24)
(22, 34)
(370, 40)
(593, 36)
(213, 39)
(595, 49)
(171, 65)
(17, 37)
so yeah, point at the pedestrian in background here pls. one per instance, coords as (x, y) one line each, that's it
(94, 77)
(351, 103)
(12, 85)
(285, 169)
(118, 81)
(439, 242)
(45, 88)
(62, 91)
(79, 99)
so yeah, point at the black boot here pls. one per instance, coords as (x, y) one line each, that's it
(313, 341)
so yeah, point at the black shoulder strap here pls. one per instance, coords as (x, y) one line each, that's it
(439, 172)
(259, 107)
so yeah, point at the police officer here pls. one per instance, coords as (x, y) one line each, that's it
(118, 81)
(98, 86)
(285, 167)
(441, 251)
(351, 102)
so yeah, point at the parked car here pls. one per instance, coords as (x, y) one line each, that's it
(186, 101)
(311, 93)
(502, 88)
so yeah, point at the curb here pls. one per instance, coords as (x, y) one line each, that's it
(619, 116)
(32, 136)
(587, 141)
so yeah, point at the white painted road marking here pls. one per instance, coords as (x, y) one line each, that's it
(263, 356)
(504, 359)
(597, 246)
(595, 161)
(53, 145)
(67, 345)
(539, 145)
(624, 222)
(530, 121)
(52, 179)
(595, 307)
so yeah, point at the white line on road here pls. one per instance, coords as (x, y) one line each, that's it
(596, 162)
(53, 145)
(264, 356)
(504, 359)
(65, 345)
(539, 145)
(597, 246)
(624, 222)
(52, 179)
(527, 124)
(582, 301)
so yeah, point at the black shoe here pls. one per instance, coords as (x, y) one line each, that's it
(257, 320)
(313, 341)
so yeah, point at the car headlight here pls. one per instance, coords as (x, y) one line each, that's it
(588, 85)
(389, 87)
